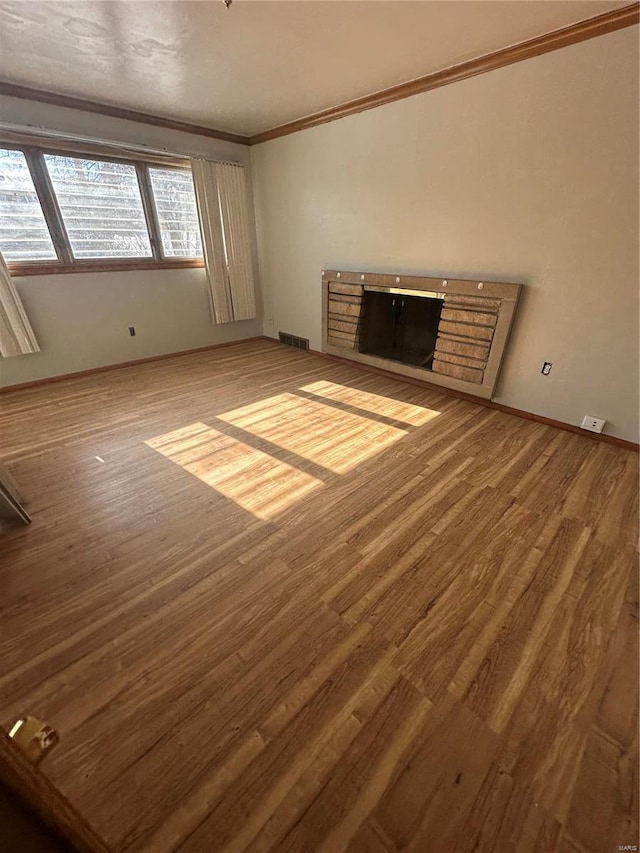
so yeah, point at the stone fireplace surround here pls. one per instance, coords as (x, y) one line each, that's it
(472, 334)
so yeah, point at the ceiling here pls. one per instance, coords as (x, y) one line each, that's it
(258, 64)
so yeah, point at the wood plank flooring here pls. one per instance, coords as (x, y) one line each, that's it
(275, 603)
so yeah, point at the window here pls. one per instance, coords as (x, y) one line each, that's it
(175, 203)
(101, 207)
(23, 230)
(71, 212)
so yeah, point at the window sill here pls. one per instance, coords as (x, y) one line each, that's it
(58, 268)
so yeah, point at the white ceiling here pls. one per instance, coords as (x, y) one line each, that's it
(258, 64)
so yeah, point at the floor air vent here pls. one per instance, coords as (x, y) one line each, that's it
(293, 341)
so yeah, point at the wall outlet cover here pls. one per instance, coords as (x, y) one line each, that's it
(593, 424)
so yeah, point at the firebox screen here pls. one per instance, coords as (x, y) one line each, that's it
(399, 327)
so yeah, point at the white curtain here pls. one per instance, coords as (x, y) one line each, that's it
(232, 190)
(16, 334)
(206, 187)
(223, 211)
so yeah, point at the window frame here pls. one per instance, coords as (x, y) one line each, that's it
(65, 263)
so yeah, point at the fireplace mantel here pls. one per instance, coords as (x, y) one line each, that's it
(471, 337)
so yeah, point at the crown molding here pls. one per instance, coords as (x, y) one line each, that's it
(608, 22)
(13, 90)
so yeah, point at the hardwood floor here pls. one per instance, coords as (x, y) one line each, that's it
(272, 602)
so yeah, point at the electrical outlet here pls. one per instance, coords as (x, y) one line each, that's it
(593, 424)
(546, 368)
(269, 321)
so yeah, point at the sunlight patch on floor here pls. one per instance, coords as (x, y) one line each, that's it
(251, 478)
(323, 434)
(409, 413)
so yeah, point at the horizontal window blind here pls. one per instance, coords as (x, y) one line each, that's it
(23, 231)
(177, 213)
(101, 207)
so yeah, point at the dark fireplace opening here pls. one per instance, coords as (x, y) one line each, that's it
(400, 327)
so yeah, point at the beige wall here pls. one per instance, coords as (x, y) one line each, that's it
(526, 174)
(82, 320)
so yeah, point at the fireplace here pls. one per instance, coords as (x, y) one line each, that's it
(401, 325)
(450, 332)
